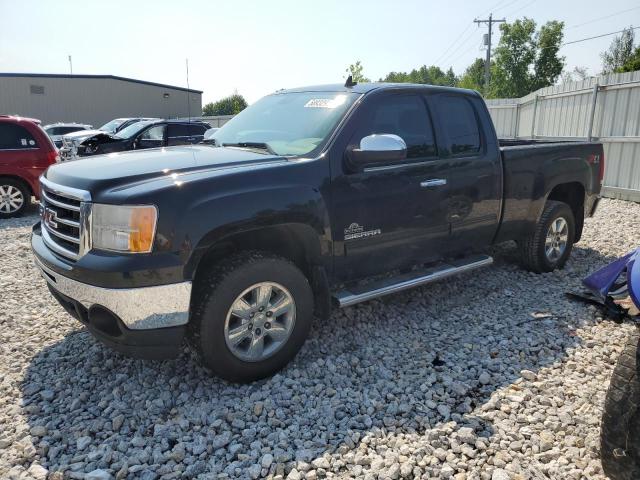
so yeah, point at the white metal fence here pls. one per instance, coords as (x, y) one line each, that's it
(604, 109)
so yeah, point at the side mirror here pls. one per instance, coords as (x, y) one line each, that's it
(377, 149)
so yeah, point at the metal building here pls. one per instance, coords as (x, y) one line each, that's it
(93, 99)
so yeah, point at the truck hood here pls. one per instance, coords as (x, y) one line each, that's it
(118, 170)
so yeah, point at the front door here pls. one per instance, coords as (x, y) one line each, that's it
(392, 216)
(152, 137)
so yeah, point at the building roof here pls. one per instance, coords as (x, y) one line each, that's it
(113, 77)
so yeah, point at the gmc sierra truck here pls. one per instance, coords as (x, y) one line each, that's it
(310, 199)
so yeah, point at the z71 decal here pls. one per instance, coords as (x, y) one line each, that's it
(355, 231)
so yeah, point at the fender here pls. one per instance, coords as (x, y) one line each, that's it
(233, 213)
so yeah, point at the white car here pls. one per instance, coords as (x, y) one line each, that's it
(57, 130)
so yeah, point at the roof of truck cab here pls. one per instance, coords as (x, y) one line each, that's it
(368, 87)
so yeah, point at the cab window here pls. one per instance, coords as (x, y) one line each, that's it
(406, 116)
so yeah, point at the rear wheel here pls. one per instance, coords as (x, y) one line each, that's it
(620, 428)
(548, 247)
(252, 313)
(14, 197)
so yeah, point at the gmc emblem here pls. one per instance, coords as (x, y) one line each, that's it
(49, 217)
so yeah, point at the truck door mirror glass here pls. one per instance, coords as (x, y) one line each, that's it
(377, 149)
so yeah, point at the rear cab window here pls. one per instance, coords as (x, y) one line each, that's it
(460, 124)
(15, 137)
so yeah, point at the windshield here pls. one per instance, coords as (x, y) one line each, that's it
(132, 130)
(112, 125)
(288, 123)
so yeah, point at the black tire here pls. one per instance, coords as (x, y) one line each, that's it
(216, 292)
(620, 428)
(532, 248)
(10, 183)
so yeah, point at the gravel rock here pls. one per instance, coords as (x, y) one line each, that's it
(98, 474)
(494, 375)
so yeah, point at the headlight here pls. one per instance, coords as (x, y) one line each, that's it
(123, 228)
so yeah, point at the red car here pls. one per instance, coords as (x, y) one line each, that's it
(25, 153)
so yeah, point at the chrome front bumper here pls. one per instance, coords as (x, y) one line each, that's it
(139, 308)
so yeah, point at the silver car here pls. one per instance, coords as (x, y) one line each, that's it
(57, 130)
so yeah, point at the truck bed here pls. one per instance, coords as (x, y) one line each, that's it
(531, 169)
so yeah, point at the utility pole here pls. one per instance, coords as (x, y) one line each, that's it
(487, 66)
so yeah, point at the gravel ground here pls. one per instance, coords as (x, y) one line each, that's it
(493, 375)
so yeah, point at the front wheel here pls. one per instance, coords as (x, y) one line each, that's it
(252, 313)
(548, 247)
(620, 428)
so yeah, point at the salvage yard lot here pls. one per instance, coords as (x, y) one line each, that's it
(494, 374)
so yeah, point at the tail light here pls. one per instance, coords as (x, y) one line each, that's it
(53, 157)
(601, 171)
(599, 160)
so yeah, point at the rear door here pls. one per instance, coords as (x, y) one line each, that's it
(196, 131)
(21, 153)
(474, 170)
(392, 216)
(178, 134)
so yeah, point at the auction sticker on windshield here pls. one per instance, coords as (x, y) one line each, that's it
(326, 102)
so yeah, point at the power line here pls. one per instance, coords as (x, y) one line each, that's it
(598, 36)
(444, 54)
(603, 18)
(495, 5)
(521, 8)
(464, 43)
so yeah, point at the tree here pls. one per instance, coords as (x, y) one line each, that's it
(576, 75)
(473, 76)
(548, 65)
(230, 105)
(620, 52)
(355, 70)
(526, 60)
(633, 63)
(432, 75)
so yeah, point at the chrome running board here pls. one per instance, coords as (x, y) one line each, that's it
(362, 293)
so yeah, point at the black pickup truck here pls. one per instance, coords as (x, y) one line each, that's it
(308, 200)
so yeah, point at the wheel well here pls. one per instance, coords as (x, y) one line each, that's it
(573, 195)
(298, 243)
(20, 180)
(295, 242)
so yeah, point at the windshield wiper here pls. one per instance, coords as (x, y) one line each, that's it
(258, 145)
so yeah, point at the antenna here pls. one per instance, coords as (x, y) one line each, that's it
(188, 92)
(350, 82)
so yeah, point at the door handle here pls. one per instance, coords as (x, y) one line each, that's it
(434, 182)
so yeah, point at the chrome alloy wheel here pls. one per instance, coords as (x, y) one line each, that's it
(11, 199)
(556, 241)
(260, 321)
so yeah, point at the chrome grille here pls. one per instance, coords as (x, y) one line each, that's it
(65, 213)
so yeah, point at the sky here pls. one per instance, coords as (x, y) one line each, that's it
(255, 47)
